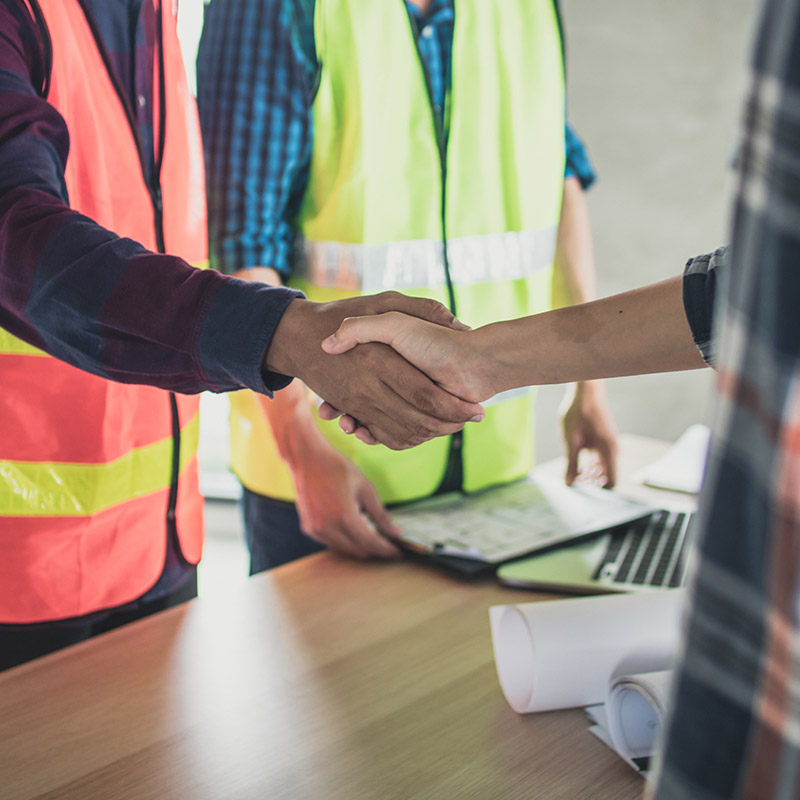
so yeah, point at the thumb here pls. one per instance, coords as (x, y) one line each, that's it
(358, 330)
(608, 456)
(376, 511)
(574, 449)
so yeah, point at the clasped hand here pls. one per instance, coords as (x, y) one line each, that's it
(475, 365)
(442, 352)
(380, 392)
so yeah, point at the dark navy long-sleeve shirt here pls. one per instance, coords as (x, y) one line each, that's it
(59, 270)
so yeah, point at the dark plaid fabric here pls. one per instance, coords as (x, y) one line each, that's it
(256, 72)
(734, 729)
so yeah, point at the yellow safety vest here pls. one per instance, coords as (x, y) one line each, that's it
(388, 206)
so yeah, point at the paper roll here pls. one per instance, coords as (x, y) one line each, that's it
(564, 653)
(635, 710)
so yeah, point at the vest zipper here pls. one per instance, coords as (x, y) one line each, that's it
(454, 471)
(154, 190)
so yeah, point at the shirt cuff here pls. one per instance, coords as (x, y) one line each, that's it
(577, 163)
(699, 292)
(238, 331)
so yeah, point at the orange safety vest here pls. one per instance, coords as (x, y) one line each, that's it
(94, 474)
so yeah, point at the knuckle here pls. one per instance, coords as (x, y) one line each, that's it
(347, 325)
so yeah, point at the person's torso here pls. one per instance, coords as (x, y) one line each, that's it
(96, 472)
(460, 204)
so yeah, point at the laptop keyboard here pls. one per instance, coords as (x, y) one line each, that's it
(648, 552)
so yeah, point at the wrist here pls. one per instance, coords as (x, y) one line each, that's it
(503, 354)
(300, 445)
(297, 434)
(591, 392)
(285, 352)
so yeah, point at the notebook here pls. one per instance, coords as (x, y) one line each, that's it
(498, 524)
(650, 553)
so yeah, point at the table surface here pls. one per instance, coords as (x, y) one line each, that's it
(323, 680)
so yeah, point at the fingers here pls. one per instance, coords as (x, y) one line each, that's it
(376, 511)
(352, 535)
(573, 451)
(607, 450)
(422, 307)
(347, 423)
(399, 405)
(362, 434)
(415, 411)
(599, 466)
(327, 412)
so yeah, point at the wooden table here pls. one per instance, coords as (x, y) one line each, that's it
(323, 680)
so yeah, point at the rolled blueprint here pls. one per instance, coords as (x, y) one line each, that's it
(565, 653)
(635, 711)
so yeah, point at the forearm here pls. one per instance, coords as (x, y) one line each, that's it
(108, 306)
(99, 302)
(574, 277)
(637, 332)
(573, 262)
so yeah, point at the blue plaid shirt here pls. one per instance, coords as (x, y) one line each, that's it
(256, 73)
(734, 729)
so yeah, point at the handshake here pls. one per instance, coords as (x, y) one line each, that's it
(402, 370)
(413, 376)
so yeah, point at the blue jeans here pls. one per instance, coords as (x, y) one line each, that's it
(272, 532)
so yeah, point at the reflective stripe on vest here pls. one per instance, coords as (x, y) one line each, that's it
(56, 489)
(373, 215)
(404, 266)
(11, 345)
(86, 465)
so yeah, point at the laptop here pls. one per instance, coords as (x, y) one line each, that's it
(487, 528)
(646, 554)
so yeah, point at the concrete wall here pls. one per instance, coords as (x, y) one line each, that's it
(655, 89)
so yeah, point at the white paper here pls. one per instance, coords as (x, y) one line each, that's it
(682, 467)
(565, 653)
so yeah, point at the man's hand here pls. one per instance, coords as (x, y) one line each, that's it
(340, 508)
(447, 356)
(399, 405)
(335, 502)
(588, 425)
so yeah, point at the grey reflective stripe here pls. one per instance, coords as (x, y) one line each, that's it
(415, 264)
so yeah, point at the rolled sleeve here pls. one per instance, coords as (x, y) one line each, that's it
(699, 293)
(256, 67)
(578, 164)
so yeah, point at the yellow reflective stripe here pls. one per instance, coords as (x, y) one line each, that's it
(368, 268)
(10, 345)
(50, 489)
(199, 264)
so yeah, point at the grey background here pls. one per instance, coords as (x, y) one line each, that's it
(655, 90)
